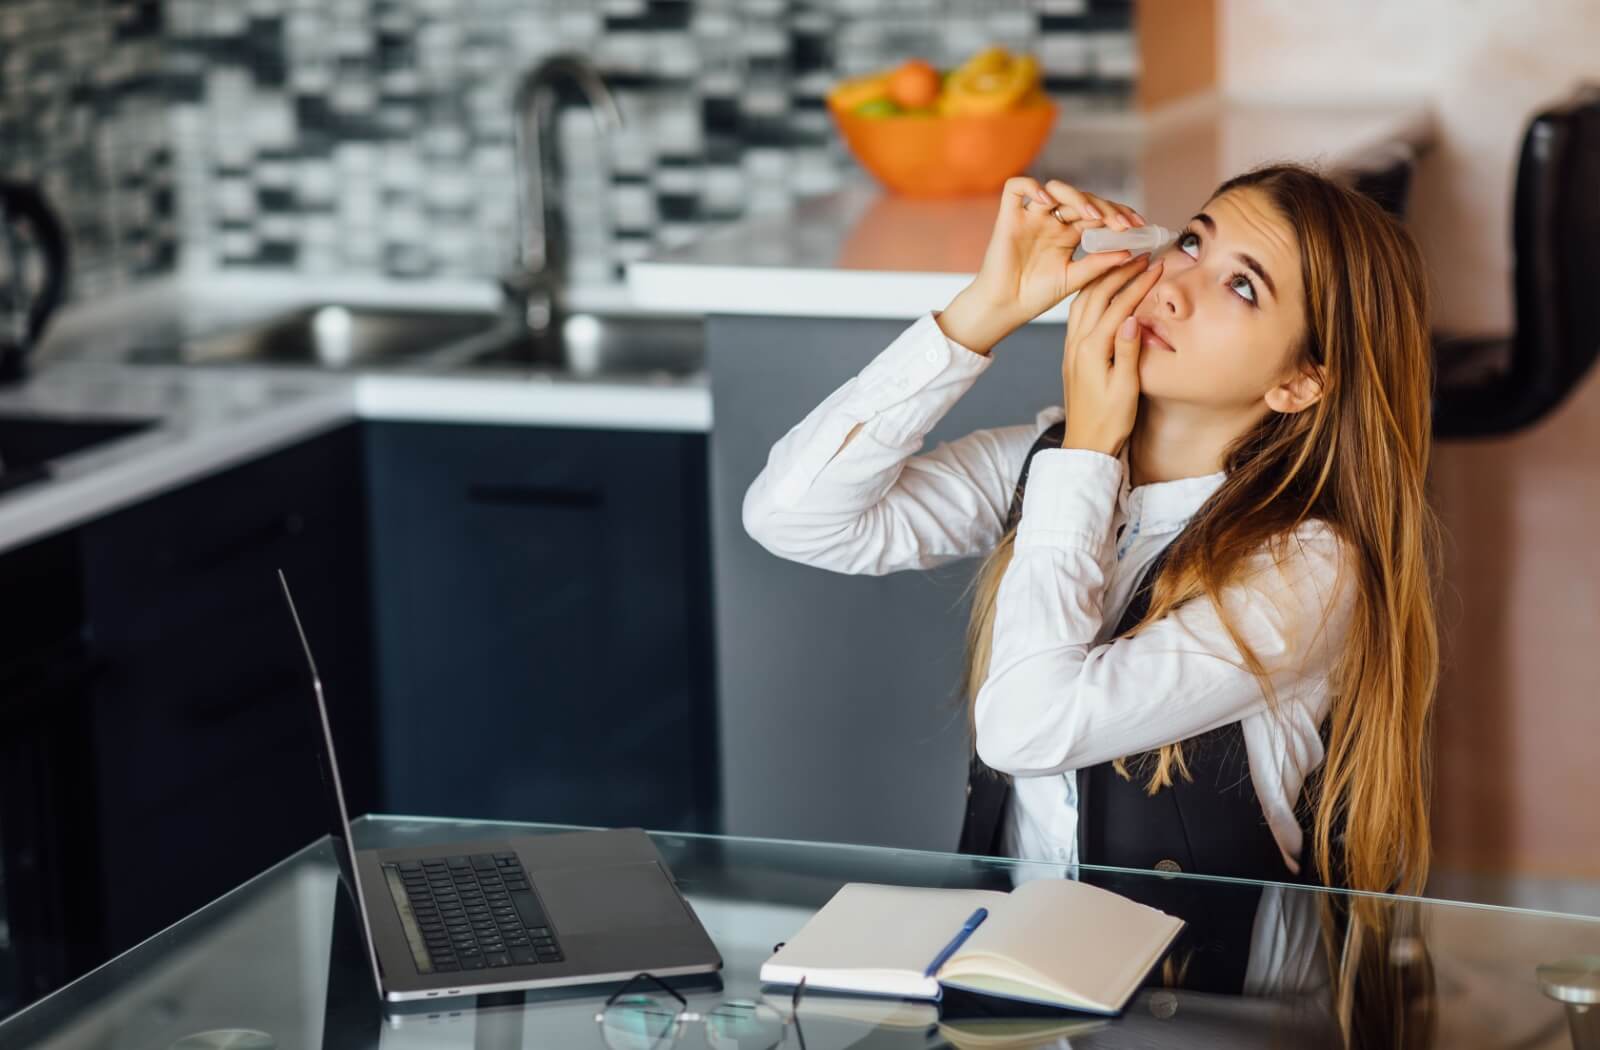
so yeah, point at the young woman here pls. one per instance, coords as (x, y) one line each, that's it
(1204, 635)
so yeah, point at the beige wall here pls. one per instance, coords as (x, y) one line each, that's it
(1519, 713)
(1177, 49)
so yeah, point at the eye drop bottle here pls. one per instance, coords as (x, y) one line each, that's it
(1137, 239)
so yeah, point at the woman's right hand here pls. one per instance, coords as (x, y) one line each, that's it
(1028, 266)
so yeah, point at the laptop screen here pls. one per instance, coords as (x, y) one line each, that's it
(337, 814)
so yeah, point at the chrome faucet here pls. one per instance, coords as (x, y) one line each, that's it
(535, 286)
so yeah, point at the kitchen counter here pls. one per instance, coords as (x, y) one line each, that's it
(209, 418)
(858, 253)
(865, 253)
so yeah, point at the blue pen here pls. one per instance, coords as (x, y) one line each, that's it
(957, 941)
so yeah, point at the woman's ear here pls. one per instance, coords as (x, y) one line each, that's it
(1299, 392)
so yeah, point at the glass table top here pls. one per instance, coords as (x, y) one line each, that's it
(278, 963)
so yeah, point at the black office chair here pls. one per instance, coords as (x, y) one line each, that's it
(1491, 387)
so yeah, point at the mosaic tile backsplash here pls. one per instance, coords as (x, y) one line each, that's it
(374, 136)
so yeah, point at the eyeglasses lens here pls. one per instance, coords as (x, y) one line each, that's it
(638, 1022)
(741, 1025)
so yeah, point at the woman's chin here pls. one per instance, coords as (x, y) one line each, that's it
(1153, 364)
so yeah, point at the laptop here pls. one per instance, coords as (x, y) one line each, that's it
(507, 914)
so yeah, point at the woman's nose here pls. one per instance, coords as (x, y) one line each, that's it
(1172, 299)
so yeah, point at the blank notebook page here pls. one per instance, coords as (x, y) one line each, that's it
(875, 931)
(1081, 938)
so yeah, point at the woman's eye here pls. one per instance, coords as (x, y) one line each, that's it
(1240, 284)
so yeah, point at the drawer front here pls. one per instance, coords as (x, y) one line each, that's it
(538, 612)
(197, 653)
(201, 552)
(161, 861)
(41, 603)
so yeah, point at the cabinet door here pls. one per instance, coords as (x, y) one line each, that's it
(203, 709)
(542, 623)
(50, 930)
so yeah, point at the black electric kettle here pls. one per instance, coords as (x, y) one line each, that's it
(29, 291)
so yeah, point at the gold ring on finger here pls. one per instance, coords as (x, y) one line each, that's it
(1056, 211)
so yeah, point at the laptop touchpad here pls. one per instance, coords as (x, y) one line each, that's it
(618, 897)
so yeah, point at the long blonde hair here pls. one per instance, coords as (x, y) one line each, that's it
(1357, 460)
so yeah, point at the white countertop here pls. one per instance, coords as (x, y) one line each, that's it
(209, 418)
(862, 252)
(205, 422)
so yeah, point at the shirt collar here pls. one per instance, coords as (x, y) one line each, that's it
(1163, 505)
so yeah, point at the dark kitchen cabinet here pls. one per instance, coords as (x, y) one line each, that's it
(50, 923)
(201, 728)
(542, 623)
(154, 706)
(510, 622)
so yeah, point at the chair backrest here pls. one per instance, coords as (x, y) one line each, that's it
(1488, 388)
(1384, 174)
(1556, 232)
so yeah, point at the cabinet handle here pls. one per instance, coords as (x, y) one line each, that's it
(560, 496)
(237, 546)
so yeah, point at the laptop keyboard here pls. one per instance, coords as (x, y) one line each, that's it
(475, 912)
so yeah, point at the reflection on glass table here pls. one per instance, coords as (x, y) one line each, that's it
(279, 963)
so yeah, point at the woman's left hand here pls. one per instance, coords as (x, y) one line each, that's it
(1100, 366)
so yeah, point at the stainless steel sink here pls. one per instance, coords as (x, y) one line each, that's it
(592, 346)
(28, 443)
(588, 346)
(331, 336)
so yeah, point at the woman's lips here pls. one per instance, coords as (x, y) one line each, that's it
(1151, 336)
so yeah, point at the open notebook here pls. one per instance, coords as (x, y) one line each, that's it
(1051, 941)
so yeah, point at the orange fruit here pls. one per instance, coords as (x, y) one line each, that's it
(914, 84)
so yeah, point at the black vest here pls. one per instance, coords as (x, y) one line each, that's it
(1211, 824)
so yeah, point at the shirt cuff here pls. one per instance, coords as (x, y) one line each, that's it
(960, 350)
(1069, 500)
(920, 357)
(898, 397)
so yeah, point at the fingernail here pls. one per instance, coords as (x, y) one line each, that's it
(1129, 327)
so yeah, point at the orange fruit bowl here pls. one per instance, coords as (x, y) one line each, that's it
(947, 156)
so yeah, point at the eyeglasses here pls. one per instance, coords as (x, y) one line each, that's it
(637, 1021)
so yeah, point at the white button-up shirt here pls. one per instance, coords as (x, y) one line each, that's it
(1059, 695)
